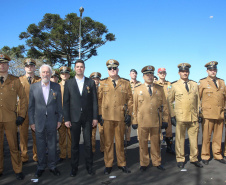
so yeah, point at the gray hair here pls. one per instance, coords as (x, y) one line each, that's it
(46, 65)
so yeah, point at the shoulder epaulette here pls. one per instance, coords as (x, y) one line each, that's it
(220, 79)
(104, 79)
(159, 85)
(125, 79)
(203, 78)
(138, 85)
(173, 82)
(192, 81)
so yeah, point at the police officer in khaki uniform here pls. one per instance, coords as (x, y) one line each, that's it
(64, 132)
(212, 92)
(114, 93)
(10, 88)
(96, 77)
(184, 114)
(149, 102)
(133, 83)
(55, 77)
(166, 87)
(26, 80)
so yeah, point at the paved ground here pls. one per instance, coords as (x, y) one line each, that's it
(213, 174)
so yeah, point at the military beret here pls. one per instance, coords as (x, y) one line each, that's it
(148, 69)
(112, 63)
(161, 69)
(133, 70)
(65, 69)
(4, 58)
(211, 65)
(29, 61)
(56, 74)
(184, 66)
(95, 75)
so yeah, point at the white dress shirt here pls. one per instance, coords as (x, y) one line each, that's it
(80, 84)
(45, 91)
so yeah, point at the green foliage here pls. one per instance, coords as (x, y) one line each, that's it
(57, 39)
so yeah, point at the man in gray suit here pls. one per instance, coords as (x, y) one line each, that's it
(45, 117)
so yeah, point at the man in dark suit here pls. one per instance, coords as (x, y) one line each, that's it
(80, 109)
(45, 117)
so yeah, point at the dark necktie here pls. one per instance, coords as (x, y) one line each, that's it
(215, 82)
(149, 90)
(114, 84)
(186, 86)
(29, 79)
(1, 79)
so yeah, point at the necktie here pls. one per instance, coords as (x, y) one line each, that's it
(29, 79)
(186, 86)
(1, 79)
(114, 84)
(149, 90)
(215, 82)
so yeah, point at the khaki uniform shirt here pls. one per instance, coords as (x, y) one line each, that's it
(26, 86)
(146, 107)
(186, 107)
(9, 90)
(212, 98)
(166, 86)
(133, 85)
(112, 100)
(62, 83)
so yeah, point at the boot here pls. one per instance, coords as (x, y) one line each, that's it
(169, 148)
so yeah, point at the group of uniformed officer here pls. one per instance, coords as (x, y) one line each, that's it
(150, 107)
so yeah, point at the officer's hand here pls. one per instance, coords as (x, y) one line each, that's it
(164, 125)
(19, 120)
(68, 124)
(200, 120)
(32, 127)
(100, 120)
(58, 124)
(128, 120)
(94, 123)
(134, 126)
(173, 121)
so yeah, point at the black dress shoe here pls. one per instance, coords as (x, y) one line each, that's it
(197, 164)
(60, 160)
(55, 172)
(90, 171)
(73, 172)
(221, 161)
(180, 164)
(39, 173)
(124, 169)
(107, 170)
(143, 168)
(160, 167)
(206, 162)
(20, 176)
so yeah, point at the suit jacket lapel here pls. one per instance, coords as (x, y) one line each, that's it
(75, 86)
(50, 92)
(41, 92)
(85, 87)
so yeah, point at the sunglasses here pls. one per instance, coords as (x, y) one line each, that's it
(110, 68)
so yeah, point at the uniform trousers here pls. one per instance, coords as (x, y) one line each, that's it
(114, 129)
(24, 141)
(153, 133)
(86, 125)
(169, 128)
(64, 141)
(193, 130)
(10, 129)
(209, 126)
(128, 133)
(225, 143)
(101, 133)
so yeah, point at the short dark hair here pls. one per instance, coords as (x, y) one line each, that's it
(156, 77)
(80, 61)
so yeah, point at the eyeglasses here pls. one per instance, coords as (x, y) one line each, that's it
(110, 68)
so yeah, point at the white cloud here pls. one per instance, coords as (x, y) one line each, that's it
(211, 17)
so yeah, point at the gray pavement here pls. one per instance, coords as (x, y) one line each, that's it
(213, 174)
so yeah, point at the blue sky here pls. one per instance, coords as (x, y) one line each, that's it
(162, 33)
